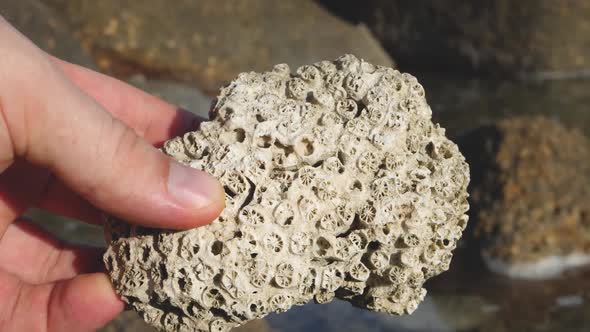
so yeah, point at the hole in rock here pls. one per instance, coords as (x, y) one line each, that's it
(126, 252)
(374, 245)
(323, 246)
(240, 135)
(220, 312)
(230, 193)
(430, 149)
(250, 196)
(385, 230)
(461, 223)
(145, 254)
(163, 271)
(357, 185)
(342, 157)
(216, 248)
(228, 112)
(359, 108)
(287, 149)
(264, 141)
(181, 283)
(304, 147)
(110, 263)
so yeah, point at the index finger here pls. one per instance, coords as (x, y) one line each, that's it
(152, 118)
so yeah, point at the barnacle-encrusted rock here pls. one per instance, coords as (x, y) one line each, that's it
(338, 185)
(530, 195)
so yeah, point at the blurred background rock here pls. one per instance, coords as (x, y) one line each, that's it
(501, 37)
(209, 42)
(496, 64)
(530, 194)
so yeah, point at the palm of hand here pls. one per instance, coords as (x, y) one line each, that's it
(38, 274)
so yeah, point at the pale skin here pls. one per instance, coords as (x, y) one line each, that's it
(76, 142)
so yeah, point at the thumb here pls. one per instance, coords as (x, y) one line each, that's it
(48, 121)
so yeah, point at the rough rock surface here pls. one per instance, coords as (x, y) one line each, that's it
(530, 194)
(338, 184)
(209, 42)
(546, 39)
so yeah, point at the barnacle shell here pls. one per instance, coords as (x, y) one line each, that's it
(338, 185)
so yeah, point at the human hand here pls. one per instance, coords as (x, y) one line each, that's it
(70, 142)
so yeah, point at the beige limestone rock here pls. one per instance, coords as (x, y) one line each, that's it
(338, 185)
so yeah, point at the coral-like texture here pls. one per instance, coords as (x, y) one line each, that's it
(530, 195)
(338, 185)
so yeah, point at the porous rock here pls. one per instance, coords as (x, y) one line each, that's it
(337, 185)
(530, 195)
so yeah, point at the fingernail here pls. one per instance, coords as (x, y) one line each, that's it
(193, 188)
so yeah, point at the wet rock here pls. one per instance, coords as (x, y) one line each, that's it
(329, 318)
(530, 195)
(463, 312)
(45, 27)
(470, 298)
(463, 104)
(129, 321)
(547, 39)
(209, 42)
